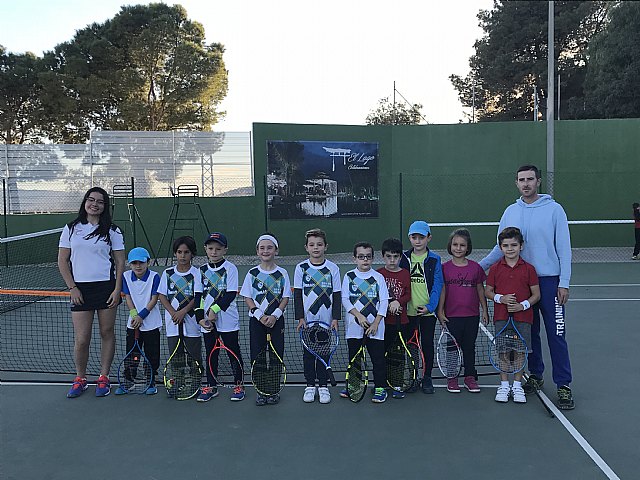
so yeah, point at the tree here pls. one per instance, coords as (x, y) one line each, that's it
(148, 68)
(511, 57)
(19, 97)
(389, 113)
(612, 86)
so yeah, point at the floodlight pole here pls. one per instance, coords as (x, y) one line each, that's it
(550, 95)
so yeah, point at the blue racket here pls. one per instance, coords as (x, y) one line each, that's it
(319, 339)
(508, 351)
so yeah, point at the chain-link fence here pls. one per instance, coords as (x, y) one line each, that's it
(47, 178)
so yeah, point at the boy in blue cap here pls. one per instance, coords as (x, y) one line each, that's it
(140, 287)
(425, 268)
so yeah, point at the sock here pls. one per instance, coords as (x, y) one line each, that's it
(517, 384)
(504, 383)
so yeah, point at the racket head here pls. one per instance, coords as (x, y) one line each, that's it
(448, 354)
(508, 351)
(416, 354)
(268, 372)
(225, 366)
(357, 376)
(134, 372)
(182, 373)
(322, 341)
(401, 370)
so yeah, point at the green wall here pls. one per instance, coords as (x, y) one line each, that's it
(440, 173)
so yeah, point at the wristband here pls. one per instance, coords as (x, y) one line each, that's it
(144, 313)
(277, 313)
(497, 297)
(257, 314)
(215, 308)
(525, 304)
(133, 312)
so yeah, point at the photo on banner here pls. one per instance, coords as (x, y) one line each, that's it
(322, 179)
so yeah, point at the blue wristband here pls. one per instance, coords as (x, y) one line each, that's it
(144, 313)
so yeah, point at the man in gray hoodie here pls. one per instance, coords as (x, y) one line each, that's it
(547, 246)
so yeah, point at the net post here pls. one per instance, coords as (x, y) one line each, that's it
(133, 206)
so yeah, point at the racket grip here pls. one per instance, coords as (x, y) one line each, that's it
(332, 378)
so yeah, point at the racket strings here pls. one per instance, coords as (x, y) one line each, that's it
(184, 377)
(449, 357)
(400, 367)
(356, 377)
(137, 373)
(268, 373)
(320, 341)
(225, 367)
(509, 352)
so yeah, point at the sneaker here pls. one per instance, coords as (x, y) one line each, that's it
(502, 395)
(471, 384)
(152, 390)
(103, 386)
(518, 394)
(261, 400)
(380, 395)
(414, 387)
(397, 393)
(635, 257)
(238, 394)
(273, 399)
(309, 395)
(344, 393)
(79, 386)
(452, 385)
(565, 398)
(533, 384)
(324, 394)
(427, 385)
(120, 391)
(207, 393)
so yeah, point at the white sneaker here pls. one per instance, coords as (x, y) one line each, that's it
(309, 395)
(325, 395)
(518, 395)
(502, 395)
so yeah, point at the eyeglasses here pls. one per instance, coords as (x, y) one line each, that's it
(364, 257)
(95, 200)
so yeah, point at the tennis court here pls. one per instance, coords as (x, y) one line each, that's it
(464, 435)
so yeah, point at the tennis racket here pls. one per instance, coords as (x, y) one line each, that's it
(401, 369)
(448, 354)
(134, 372)
(225, 365)
(508, 351)
(182, 373)
(357, 376)
(418, 357)
(320, 340)
(268, 371)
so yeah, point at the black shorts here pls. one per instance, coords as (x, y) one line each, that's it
(95, 295)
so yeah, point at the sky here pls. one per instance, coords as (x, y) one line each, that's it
(293, 61)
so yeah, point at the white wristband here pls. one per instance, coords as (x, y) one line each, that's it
(258, 314)
(525, 304)
(497, 297)
(277, 313)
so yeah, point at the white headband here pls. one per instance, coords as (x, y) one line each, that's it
(267, 237)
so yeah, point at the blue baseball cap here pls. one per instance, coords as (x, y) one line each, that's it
(216, 237)
(421, 227)
(138, 254)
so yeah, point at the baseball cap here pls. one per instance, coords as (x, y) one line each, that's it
(421, 227)
(216, 237)
(138, 254)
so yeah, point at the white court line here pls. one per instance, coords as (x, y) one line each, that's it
(597, 459)
(604, 299)
(605, 285)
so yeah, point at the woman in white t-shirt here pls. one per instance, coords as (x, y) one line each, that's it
(91, 261)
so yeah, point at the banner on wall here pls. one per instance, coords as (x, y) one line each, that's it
(322, 179)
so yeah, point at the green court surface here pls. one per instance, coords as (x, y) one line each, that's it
(457, 436)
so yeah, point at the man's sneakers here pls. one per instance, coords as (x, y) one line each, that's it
(379, 395)
(78, 388)
(533, 384)
(565, 398)
(207, 393)
(452, 385)
(324, 394)
(427, 385)
(103, 386)
(502, 394)
(238, 393)
(309, 395)
(518, 393)
(471, 384)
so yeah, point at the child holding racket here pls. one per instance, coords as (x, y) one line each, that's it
(512, 284)
(425, 268)
(398, 283)
(462, 293)
(365, 298)
(266, 290)
(316, 294)
(180, 291)
(219, 311)
(140, 288)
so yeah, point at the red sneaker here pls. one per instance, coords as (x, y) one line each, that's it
(471, 384)
(452, 385)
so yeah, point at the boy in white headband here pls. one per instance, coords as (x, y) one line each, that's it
(266, 290)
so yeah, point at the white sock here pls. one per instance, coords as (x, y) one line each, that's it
(504, 383)
(517, 384)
